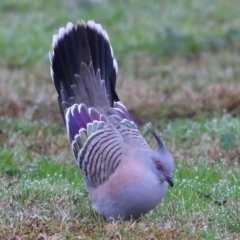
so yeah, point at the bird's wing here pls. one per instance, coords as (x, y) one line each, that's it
(96, 143)
(123, 121)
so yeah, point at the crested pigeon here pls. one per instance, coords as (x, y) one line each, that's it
(123, 175)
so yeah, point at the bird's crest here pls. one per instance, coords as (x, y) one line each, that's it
(153, 132)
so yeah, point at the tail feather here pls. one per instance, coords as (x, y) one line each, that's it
(83, 47)
(83, 67)
(64, 58)
(102, 55)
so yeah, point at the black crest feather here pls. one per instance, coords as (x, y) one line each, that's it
(153, 132)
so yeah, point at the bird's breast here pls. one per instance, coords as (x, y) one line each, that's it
(128, 199)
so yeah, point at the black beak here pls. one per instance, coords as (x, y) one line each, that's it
(170, 181)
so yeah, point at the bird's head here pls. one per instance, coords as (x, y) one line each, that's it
(162, 160)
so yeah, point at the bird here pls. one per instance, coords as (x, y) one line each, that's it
(125, 178)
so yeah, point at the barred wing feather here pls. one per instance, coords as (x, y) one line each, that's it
(96, 143)
(123, 121)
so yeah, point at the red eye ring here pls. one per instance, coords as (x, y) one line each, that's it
(159, 165)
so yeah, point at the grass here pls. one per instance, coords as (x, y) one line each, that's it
(178, 67)
(43, 194)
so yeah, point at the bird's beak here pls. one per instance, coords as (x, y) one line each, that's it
(169, 180)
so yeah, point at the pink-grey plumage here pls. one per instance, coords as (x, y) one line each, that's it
(123, 175)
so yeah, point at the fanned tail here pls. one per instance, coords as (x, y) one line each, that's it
(83, 67)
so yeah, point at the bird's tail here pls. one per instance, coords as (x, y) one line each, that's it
(83, 67)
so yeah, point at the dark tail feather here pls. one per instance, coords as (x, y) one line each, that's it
(74, 76)
(64, 59)
(102, 57)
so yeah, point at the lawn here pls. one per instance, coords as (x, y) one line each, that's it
(178, 68)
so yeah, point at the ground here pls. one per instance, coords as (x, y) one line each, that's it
(178, 68)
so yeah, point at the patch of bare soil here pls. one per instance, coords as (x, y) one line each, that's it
(210, 84)
(29, 94)
(180, 88)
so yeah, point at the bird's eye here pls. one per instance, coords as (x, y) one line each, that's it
(159, 165)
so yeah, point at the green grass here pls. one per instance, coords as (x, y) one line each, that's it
(48, 189)
(178, 67)
(167, 28)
